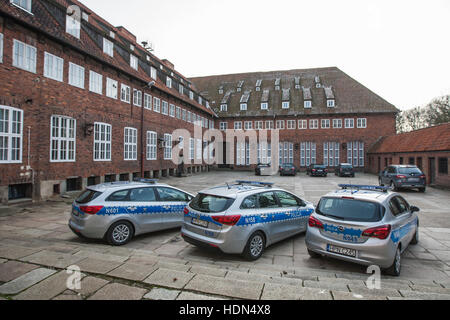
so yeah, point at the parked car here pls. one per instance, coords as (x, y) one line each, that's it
(288, 169)
(261, 168)
(118, 211)
(368, 225)
(345, 170)
(244, 218)
(403, 177)
(315, 170)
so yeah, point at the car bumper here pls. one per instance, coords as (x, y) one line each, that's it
(87, 230)
(410, 185)
(372, 252)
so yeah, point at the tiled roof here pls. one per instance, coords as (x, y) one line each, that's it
(350, 95)
(435, 138)
(49, 17)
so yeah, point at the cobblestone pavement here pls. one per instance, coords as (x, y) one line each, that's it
(37, 247)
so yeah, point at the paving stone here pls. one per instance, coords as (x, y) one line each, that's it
(170, 278)
(68, 297)
(93, 265)
(52, 259)
(186, 295)
(46, 289)
(27, 280)
(13, 269)
(89, 285)
(172, 266)
(339, 295)
(3, 260)
(326, 285)
(117, 291)
(430, 289)
(274, 291)
(217, 272)
(132, 271)
(262, 278)
(342, 281)
(224, 287)
(424, 296)
(15, 252)
(362, 290)
(162, 294)
(100, 256)
(143, 260)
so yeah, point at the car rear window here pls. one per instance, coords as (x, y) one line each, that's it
(210, 203)
(350, 209)
(319, 166)
(346, 166)
(409, 170)
(87, 196)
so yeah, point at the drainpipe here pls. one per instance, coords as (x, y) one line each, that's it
(149, 85)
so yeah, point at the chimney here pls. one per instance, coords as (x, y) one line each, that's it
(168, 64)
(126, 34)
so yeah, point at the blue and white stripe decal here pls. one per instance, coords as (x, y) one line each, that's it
(131, 209)
(345, 231)
(200, 216)
(401, 232)
(274, 217)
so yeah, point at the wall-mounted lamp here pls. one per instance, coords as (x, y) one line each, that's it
(88, 129)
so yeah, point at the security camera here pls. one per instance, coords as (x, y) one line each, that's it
(151, 84)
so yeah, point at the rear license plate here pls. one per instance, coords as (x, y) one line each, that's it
(200, 223)
(413, 180)
(342, 251)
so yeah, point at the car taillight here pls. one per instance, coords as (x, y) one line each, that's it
(186, 211)
(378, 232)
(227, 220)
(313, 170)
(400, 176)
(315, 223)
(423, 176)
(91, 209)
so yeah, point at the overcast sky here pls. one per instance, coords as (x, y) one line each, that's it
(398, 49)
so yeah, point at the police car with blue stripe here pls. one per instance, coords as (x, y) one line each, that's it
(118, 211)
(244, 217)
(368, 225)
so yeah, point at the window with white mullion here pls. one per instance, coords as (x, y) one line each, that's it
(102, 142)
(73, 24)
(125, 93)
(62, 139)
(137, 98)
(95, 82)
(151, 145)
(307, 153)
(165, 108)
(198, 148)
(191, 148)
(11, 126)
(108, 47)
(53, 67)
(167, 146)
(286, 152)
(111, 88)
(1, 47)
(24, 56)
(76, 75)
(130, 144)
(355, 153)
(331, 153)
(147, 101)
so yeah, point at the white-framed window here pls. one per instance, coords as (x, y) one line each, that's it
(223, 126)
(134, 62)
(361, 123)
(325, 124)
(337, 123)
(349, 123)
(24, 4)
(243, 107)
(102, 141)
(269, 124)
(198, 149)
(223, 107)
(112, 87)
(355, 153)
(184, 115)
(76, 75)
(248, 125)
(314, 124)
(137, 98)
(172, 110)
(130, 144)
(1, 47)
(165, 108)
(307, 104)
(167, 146)
(259, 125)
(285, 105)
(264, 152)
(11, 131)
(191, 148)
(238, 125)
(108, 47)
(156, 104)
(191, 95)
(331, 103)
(53, 67)
(153, 72)
(243, 153)
(189, 117)
(169, 82)
(24, 56)
(264, 106)
(131, 47)
(331, 154)
(303, 124)
(62, 139)
(307, 153)
(152, 140)
(180, 89)
(125, 93)
(73, 25)
(291, 124)
(147, 101)
(286, 152)
(178, 113)
(280, 124)
(95, 82)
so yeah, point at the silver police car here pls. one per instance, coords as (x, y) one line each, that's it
(368, 225)
(118, 211)
(244, 218)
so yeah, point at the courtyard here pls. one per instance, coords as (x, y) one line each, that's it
(37, 247)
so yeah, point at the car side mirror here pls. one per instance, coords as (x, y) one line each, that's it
(414, 209)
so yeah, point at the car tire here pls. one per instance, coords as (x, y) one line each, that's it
(120, 233)
(255, 246)
(396, 267)
(422, 189)
(392, 185)
(415, 239)
(313, 255)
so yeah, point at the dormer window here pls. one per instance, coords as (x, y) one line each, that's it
(308, 104)
(239, 87)
(181, 89)
(285, 105)
(108, 47)
(85, 17)
(221, 90)
(297, 83)
(191, 95)
(153, 72)
(24, 4)
(134, 62)
(169, 82)
(200, 100)
(277, 84)
(131, 47)
(224, 107)
(243, 107)
(73, 23)
(331, 103)
(112, 34)
(258, 85)
(264, 106)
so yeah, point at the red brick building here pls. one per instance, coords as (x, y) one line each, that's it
(428, 148)
(323, 115)
(81, 102)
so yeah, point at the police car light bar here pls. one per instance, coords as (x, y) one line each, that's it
(144, 180)
(364, 187)
(255, 183)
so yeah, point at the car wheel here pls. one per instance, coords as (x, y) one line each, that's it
(422, 189)
(313, 254)
(415, 239)
(255, 246)
(393, 187)
(120, 233)
(396, 267)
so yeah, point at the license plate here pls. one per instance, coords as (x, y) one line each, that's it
(342, 251)
(413, 179)
(200, 223)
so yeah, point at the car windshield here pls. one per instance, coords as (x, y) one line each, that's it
(350, 209)
(210, 203)
(287, 165)
(409, 170)
(319, 166)
(87, 196)
(346, 166)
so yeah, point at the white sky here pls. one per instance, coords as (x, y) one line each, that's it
(398, 49)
